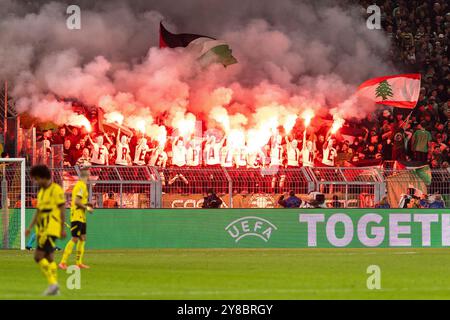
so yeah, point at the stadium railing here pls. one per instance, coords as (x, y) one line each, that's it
(52, 156)
(354, 187)
(186, 187)
(173, 187)
(398, 181)
(123, 187)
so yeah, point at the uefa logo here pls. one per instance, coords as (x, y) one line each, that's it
(250, 227)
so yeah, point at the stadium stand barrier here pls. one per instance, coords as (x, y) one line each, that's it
(52, 156)
(397, 183)
(354, 187)
(151, 187)
(186, 187)
(109, 186)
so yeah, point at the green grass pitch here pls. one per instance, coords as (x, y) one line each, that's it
(238, 274)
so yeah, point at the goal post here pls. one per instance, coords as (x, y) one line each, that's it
(13, 203)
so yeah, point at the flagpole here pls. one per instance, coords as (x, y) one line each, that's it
(407, 118)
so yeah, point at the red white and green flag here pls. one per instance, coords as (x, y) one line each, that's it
(207, 50)
(422, 170)
(401, 91)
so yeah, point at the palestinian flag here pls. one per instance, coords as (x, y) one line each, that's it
(423, 171)
(207, 50)
(400, 91)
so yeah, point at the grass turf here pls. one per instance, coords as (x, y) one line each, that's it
(238, 274)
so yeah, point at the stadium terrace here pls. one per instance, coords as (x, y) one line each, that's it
(224, 150)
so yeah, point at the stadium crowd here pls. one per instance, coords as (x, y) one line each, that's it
(419, 32)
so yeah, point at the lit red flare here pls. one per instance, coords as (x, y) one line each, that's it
(307, 115)
(114, 117)
(337, 124)
(289, 123)
(79, 120)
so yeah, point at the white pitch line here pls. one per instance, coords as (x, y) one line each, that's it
(223, 292)
(407, 252)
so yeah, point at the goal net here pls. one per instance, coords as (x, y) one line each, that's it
(12, 199)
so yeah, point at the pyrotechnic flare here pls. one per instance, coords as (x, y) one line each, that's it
(114, 117)
(289, 123)
(337, 124)
(140, 125)
(184, 123)
(220, 115)
(79, 120)
(236, 139)
(307, 115)
(159, 134)
(131, 77)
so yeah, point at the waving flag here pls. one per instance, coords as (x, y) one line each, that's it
(400, 91)
(421, 169)
(207, 50)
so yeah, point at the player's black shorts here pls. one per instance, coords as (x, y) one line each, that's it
(47, 245)
(78, 229)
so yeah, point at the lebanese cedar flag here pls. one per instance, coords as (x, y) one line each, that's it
(400, 91)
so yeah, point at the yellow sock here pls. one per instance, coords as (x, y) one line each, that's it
(53, 272)
(46, 270)
(67, 251)
(80, 251)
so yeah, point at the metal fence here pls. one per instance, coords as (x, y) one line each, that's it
(151, 187)
(398, 181)
(109, 186)
(353, 187)
(52, 156)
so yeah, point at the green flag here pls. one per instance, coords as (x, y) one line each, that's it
(424, 173)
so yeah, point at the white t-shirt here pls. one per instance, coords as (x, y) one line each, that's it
(212, 153)
(99, 154)
(179, 156)
(123, 153)
(256, 159)
(276, 155)
(193, 156)
(139, 155)
(328, 156)
(307, 158)
(158, 158)
(241, 157)
(293, 155)
(226, 157)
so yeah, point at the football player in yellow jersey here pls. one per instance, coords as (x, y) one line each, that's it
(49, 223)
(78, 209)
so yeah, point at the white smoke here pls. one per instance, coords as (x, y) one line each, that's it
(292, 56)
